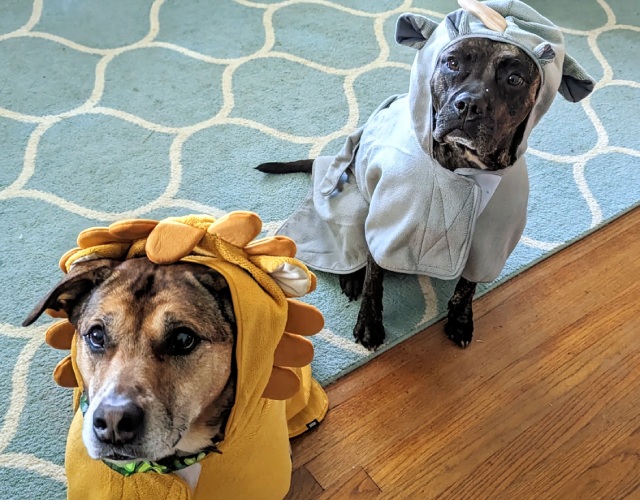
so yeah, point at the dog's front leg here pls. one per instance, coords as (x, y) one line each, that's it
(369, 330)
(459, 327)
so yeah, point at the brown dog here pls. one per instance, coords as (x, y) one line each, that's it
(186, 384)
(150, 335)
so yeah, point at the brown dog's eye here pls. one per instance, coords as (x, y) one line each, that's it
(95, 338)
(452, 63)
(515, 80)
(181, 342)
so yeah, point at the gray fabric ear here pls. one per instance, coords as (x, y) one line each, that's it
(457, 23)
(414, 30)
(545, 53)
(576, 83)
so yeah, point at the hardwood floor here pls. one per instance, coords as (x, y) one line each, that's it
(545, 403)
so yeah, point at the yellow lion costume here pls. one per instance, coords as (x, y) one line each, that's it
(276, 397)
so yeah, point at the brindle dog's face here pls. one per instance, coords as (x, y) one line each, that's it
(155, 350)
(482, 91)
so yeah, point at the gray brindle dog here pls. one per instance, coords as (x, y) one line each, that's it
(383, 203)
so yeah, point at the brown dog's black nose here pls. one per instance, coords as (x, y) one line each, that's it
(469, 105)
(117, 420)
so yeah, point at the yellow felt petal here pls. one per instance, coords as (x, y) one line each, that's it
(303, 319)
(57, 314)
(95, 236)
(277, 245)
(170, 241)
(293, 351)
(63, 374)
(137, 249)
(63, 260)
(196, 220)
(60, 335)
(132, 229)
(238, 228)
(282, 385)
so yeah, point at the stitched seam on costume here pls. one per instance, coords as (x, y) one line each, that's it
(447, 226)
(424, 236)
(455, 218)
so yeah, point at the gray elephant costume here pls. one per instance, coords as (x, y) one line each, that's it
(384, 192)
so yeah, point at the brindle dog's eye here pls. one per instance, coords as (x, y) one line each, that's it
(181, 342)
(515, 80)
(452, 63)
(95, 338)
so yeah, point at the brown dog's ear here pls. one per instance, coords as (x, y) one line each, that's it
(73, 287)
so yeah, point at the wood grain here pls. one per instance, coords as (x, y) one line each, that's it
(359, 485)
(303, 485)
(545, 403)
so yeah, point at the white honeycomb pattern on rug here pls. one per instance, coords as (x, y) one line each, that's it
(34, 336)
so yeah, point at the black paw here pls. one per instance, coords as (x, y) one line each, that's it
(369, 332)
(351, 284)
(460, 333)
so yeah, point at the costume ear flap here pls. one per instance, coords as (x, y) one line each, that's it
(545, 53)
(414, 30)
(576, 83)
(457, 23)
(73, 287)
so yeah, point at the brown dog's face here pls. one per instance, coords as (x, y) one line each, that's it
(155, 350)
(483, 91)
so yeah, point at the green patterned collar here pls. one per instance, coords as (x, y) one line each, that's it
(162, 466)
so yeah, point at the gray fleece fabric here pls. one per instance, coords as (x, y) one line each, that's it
(384, 192)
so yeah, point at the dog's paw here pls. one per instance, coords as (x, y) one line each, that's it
(459, 333)
(351, 284)
(370, 333)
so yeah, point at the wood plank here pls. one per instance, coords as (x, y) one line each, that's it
(303, 485)
(545, 399)
(605, 441)
(568, 393)
(615, 475)
(359, 485)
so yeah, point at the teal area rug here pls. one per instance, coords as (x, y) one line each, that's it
(118, 109)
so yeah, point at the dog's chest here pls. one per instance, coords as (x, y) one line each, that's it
(421, 216)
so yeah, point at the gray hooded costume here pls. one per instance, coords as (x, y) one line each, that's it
(384, 192)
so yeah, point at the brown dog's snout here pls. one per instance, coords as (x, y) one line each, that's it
(470, 105)
(118, 420)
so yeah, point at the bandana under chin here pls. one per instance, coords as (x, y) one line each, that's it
(162, 466)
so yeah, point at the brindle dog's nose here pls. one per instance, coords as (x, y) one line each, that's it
(471, 106)
(117, 420)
